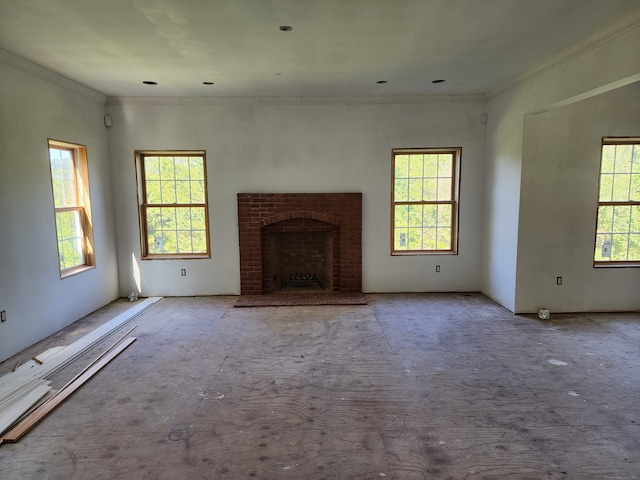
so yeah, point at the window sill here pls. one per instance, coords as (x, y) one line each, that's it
(204, 256)
(616, 265)
(425, 252)
(71, 272)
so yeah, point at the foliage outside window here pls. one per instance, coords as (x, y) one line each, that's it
(70, 183)
(618, 224)
(173, 205)
(424, 201)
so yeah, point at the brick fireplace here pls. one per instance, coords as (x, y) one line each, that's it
(300, 242)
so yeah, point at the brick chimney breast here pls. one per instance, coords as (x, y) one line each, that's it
(322, 231)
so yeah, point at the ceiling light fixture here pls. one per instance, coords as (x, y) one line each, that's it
(149, 82)
(438, 81)
(285, 28)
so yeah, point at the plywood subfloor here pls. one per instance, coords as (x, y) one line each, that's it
(420, 386)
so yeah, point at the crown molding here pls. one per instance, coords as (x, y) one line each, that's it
(39, 71)
(382, 100)
(625, 25)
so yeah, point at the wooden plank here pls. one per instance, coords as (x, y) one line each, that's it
(111, 347)
(47, 354)
(47, 407)
(24, 368)
(19, 406)
(13, 384)
(9, 397)
(13, 413)
(62, 357)
(80, 346)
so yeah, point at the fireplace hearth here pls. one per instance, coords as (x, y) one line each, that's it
(300, 243)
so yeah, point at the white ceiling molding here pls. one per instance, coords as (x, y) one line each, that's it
(625, 25)
(36, 70)
(388, 100)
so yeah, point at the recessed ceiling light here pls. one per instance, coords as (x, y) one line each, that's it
(149, 82)
(438, 81)
(381, 81)
(207, 83)
(285, 28)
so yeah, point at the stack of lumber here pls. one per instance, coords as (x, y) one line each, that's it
(29, 383)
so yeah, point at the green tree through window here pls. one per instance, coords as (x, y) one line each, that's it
(424, 200)
(173, 210)
(618, 225)
(69, 180)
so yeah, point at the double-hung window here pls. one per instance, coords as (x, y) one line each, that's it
(424, 203)
(172, 193)
(618, 226)
(72, 206)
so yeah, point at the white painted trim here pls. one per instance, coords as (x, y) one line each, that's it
(387, 100)
(80, 346)
(21, 404)
(39, 71)
(16, 386)
(53, 402)
(8, 396)
(627, 24)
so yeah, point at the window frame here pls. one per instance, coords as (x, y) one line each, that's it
(454, 201)
(145, 253)
(82, 204)
(613, 203)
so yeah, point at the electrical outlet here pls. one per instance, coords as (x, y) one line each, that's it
(3, 316)
(437, 268)
(183, 272)
(558, 280)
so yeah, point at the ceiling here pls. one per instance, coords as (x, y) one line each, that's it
(337, 48)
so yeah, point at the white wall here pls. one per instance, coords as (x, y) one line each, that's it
(561, 164)
(598, 65)
(37, 302)
(296, 148)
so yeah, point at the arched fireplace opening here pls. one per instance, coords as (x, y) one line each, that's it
(300, 255)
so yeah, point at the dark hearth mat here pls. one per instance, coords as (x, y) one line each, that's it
(303, 299)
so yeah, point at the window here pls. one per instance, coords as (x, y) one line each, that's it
(618, 225)
(72, 206)
(173, 204)
(424, 208)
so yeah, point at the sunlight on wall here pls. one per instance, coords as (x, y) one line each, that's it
(136, 272)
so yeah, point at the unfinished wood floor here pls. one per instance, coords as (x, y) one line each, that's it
(418, 386)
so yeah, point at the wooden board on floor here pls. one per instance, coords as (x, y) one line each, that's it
(62, 357)
(22, 404)
(54, 360)
(46, 408)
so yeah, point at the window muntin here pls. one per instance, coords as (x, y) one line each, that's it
(173, 205)
(617, 240)
(424, 207)
(69, 180)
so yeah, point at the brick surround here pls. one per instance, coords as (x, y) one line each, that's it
(337, 217)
